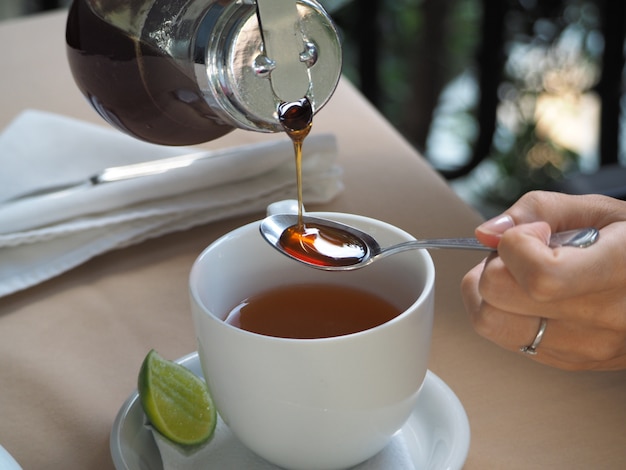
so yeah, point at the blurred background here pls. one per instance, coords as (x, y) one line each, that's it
(501, 96)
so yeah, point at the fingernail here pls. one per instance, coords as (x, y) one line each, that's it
(497, 226)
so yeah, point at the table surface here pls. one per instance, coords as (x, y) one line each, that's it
(70, 348)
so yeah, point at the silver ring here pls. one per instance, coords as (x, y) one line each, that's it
(531, 349)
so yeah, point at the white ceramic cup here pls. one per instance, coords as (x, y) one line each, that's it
(312, 404)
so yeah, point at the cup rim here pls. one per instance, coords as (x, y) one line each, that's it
(429, 281)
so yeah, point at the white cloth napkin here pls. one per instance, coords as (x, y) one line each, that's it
(44, 236)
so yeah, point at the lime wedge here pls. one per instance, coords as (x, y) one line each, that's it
(176, 401)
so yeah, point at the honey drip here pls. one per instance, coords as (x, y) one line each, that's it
(314, 243)
(297, 119)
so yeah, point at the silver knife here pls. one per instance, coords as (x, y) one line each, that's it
(120, 173)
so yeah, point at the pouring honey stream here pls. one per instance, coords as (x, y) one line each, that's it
(314, 243)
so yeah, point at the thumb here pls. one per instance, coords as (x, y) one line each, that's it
(490, 232)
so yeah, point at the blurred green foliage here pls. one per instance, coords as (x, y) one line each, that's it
(552, 48)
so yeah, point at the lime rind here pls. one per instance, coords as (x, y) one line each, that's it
(176, 402)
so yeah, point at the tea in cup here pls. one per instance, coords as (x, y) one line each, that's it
(310, 369)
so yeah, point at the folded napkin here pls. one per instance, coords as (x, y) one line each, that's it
(43, 236)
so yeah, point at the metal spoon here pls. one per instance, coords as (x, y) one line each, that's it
(272, 229)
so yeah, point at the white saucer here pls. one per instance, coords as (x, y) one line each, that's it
(436, 436)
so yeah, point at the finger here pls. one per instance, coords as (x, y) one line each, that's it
(561, 211)
(565, 212)
(500, 289)
(469, 289)
(565, 345)
(507, 330)
(504, 328)
(550, 274)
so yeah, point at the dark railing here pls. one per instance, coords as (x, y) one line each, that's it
(490, 60)
(613, 16)
(45, 5)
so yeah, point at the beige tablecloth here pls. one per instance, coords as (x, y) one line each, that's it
(70, 348)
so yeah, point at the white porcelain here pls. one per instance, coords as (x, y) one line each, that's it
(435, 437)
(319, 404)
(287, 206)
(7, 462)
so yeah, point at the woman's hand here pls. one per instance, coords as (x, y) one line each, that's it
(580, 291)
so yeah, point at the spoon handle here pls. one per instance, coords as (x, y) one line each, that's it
(454, 243)
(579, 238)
